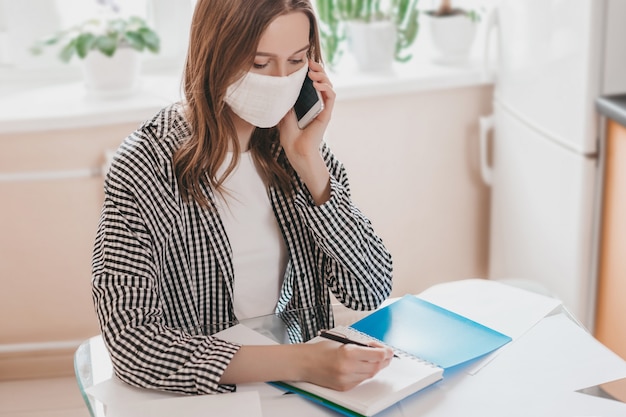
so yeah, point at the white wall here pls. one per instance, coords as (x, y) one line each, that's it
(413, 165)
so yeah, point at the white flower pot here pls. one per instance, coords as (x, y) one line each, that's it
(372, 44)
(115, 76)
(452, 37)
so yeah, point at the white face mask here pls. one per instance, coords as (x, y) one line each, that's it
(263, 100)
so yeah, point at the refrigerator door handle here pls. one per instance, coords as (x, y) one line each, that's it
(486, 125)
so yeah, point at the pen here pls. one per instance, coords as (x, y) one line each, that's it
(341, 339)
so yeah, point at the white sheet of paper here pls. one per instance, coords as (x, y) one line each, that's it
(238, 404)
(537, 375)
(123, 400)
(504, 308)
(564, 354)
(114, 391)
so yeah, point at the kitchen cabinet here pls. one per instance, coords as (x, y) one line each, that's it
(610, 323)
(51, 189)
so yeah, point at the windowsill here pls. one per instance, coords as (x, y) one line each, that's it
(66, 105)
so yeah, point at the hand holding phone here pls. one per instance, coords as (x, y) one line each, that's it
(309, 103)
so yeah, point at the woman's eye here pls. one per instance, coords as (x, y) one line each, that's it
(296, 61)
(259, 66)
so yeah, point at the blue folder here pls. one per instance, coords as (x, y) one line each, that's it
(430, 332)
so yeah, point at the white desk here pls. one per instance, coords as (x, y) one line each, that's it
(536, 375)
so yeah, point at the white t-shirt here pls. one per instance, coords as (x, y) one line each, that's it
(259, 251)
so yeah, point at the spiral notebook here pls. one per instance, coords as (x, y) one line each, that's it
(428, 340)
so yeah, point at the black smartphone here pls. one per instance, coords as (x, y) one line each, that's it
(309, 103)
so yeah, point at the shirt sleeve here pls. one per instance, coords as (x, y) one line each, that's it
(145, 352)
(358, 266)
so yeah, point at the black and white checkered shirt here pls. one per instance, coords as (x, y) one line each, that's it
(161, 264)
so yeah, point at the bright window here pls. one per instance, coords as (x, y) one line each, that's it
(25, 21)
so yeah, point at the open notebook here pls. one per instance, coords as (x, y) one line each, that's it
(428, 340)
(401, 378)
(404, 376)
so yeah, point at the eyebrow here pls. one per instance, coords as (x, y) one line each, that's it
(272, 55)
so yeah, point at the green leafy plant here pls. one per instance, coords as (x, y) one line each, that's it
(334, 13)
(102, 34)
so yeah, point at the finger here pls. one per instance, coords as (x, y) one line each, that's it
(368, 354)
(328, 95)
(322, 83)
(320, 78)
(317, 73)
(390, 352)
(316, 66)
(326, 89)
(367, 369)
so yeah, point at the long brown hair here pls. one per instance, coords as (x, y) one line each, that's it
(223, 41)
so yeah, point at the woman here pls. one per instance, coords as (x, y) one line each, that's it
(210, 216)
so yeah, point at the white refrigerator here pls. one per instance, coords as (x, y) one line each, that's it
(553, 59)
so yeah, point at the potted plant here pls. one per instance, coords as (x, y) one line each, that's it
(452, 31)
(378, 31)
(108, 46)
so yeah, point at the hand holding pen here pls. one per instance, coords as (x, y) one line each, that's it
(342, 339)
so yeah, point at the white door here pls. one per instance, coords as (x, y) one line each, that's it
(541, 211)
(550, 64)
